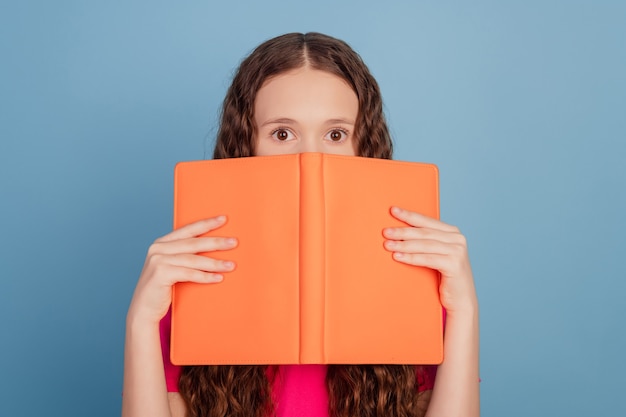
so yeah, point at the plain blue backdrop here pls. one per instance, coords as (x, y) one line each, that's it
(522, 104)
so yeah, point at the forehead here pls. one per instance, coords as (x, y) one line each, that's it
(303, 92)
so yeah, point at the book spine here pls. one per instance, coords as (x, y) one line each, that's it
(312, 262)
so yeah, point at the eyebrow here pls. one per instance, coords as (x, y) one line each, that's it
(285, 121)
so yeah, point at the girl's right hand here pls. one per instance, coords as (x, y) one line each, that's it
(174, 258)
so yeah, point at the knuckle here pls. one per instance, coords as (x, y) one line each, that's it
(155, 259)
(160, 272)
(208, 265)
(152, 249)
(160, 239)
(457, 256)
(196, 275)
(424, 233)
(457, 264)
(430, 258)
(155, 248)
(459, 250)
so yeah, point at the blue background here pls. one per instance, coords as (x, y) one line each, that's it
(520, 103)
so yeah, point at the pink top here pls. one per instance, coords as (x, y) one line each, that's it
(299, 390)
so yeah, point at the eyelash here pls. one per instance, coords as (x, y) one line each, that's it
(278, 129)
(337, 129)
(343, 131)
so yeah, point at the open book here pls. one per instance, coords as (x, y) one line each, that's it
(313, 282)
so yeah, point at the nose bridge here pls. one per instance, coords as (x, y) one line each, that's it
(310, 143)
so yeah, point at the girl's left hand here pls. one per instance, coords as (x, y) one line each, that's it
(433, 244)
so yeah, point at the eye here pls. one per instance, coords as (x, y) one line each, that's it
(337, 135)
(282, 135)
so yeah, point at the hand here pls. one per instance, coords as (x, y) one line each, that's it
(174, 258)
(433, 244)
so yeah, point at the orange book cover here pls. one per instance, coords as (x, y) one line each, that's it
(313, 282)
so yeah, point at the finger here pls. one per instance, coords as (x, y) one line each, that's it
(194, 229)
(408, 233)
(419, 246)
(176, 274)
(428, 260)
(420, 220)
(201, 263)
(193, 245)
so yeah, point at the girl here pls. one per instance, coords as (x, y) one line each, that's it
(301, 93)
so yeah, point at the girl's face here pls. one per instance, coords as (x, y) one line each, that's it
(305, 110)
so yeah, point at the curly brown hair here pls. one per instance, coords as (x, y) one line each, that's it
(296, 50)
(363, 390)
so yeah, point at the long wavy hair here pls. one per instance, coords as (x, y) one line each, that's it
(354, 390)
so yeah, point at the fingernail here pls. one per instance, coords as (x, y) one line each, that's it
(398, 255)
(221, 218)
(231, 241)
(396, 210)
(390, 243)
(218, 277)
(229, 264)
